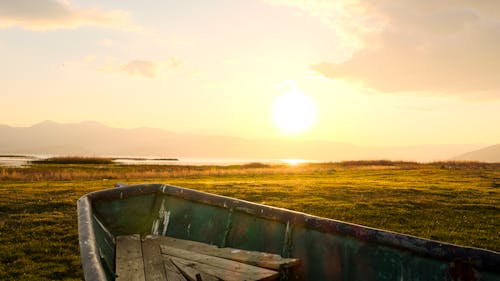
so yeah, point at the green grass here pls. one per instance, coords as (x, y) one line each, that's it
(450, 201)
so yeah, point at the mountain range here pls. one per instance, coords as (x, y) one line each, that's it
(95, 139)
(486, 154)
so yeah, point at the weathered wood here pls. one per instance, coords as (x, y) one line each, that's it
(173, 272)
(156, 258)
(192, 274)
(186, 244)
(129, 262)
(220, 272)
(154, 267)
(260, 259)
(220, 267)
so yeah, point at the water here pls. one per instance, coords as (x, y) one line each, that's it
(210, 161)
(24, 160)
(16, 160)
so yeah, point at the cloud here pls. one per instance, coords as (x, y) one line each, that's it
(175, 62)
(446, 47)
(142, 68)
(349, 19)
(415, 108)
(106, 42)
(57, 14)
(153, 69)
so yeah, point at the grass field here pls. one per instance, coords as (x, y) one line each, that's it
(452, 202)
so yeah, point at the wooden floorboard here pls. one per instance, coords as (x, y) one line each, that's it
(173, 272)
(192, 274)
(221, 273)
(223, 267)
(129, 261)
(154, 266)
(159, 258)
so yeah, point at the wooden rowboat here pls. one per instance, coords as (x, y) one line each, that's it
(327, 249)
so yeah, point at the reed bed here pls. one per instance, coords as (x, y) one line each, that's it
(74, 160)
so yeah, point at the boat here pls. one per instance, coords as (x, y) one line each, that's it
(327, 249)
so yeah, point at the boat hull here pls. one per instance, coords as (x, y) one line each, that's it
(328, 249)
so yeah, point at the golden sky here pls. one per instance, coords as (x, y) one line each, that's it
(376, 72)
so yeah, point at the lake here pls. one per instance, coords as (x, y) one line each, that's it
(24, 160)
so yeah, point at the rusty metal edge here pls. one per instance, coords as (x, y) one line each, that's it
(480, 258)
(89, 253)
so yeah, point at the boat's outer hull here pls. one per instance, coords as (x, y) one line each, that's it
(328, 249)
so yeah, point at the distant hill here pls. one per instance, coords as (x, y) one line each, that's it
(488, 154)
(95, 139)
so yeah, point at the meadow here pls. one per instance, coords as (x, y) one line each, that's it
(448, 201)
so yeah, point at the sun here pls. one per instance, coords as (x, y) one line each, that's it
(293, 112)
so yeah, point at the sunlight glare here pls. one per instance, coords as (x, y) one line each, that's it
(294, 162)
(293, 112)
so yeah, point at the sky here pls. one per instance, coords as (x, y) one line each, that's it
(376, 73)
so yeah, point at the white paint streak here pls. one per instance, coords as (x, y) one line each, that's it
(166, 219)
(155, 228)
(163, 219)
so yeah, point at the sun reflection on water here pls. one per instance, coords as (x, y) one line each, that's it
(294, 162)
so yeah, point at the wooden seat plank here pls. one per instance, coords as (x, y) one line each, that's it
(229, 267)
(156, 258)
(192, 274)
(221, 273)
(154, 266)
(173, 272)
(260, 259)
(129, 261)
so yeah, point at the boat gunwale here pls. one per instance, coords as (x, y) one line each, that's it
(480, 258)
(89, 252)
